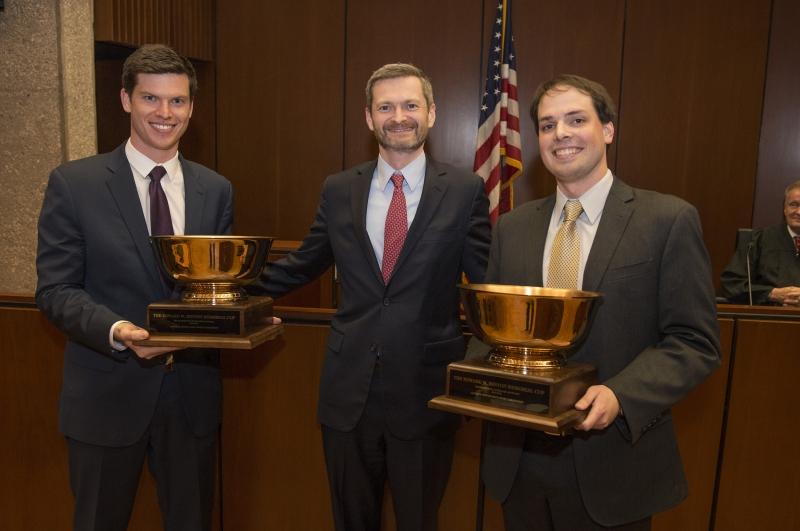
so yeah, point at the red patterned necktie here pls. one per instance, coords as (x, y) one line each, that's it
(797, 245)
(160, 220)
(394, 233)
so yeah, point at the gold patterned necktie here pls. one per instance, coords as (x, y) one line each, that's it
(565, 256)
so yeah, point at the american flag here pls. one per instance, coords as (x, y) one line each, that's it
(498, 151)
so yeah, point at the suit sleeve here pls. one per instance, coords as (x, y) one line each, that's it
(60, 266)
(309, 261)
(688, 351)
(225, 222)
(476, 245)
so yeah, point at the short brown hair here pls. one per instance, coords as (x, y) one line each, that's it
(602, 101)
(157, 59)
(395, 70)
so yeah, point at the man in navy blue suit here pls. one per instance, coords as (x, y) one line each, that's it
(401, 230)
(97, 273)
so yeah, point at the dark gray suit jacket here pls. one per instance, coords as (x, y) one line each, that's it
(653, 337)
(95, 267)
(773, 264)
(412, 323)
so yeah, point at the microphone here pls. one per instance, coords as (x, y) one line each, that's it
(749, 278)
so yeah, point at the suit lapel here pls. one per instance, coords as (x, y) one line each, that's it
(432, 192)
(123, 190)
(359, 193)
(194, 196)
(616, 214)
(533, 254)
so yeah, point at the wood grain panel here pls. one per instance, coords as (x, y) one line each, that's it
(778, 156)
(33, 454)
(554, 38)
(699, 424)
(444, 39)
(186, 25)
(691, 101)
(760, 476)
(273, 466)
(279, 114)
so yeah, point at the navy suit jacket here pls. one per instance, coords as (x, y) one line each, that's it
(412, 323)
(95, 267)
(653, 337)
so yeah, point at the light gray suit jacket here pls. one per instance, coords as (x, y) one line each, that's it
(653, 337)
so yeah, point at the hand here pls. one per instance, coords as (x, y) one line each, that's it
(602, 406)
(276, 320)
(127, 333)
(787, 296)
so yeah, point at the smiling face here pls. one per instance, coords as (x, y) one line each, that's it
(160, 107)
(400, 117)
(791, 209)
(572, 140)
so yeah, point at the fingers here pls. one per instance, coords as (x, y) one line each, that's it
(128, 332)
(602, 405)
(151, 352)
(276, 320)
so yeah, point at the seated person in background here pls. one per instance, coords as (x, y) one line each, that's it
(774, 260)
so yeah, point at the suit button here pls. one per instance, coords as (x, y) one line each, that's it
(386, 301)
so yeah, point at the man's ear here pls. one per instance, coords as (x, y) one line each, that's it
(126, 100)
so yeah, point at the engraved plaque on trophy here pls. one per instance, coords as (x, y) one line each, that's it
(213, 309)
(525, 379)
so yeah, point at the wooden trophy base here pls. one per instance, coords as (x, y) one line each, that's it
(242, 325)
(537, 399)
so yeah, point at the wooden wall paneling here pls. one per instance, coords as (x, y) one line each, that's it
(691, 102)
(279, 114)
(698, 423)
(33, 452)
(273, 468)
(554, 38)
(33, 455)
(760, 475)
(779, 156)
(443, 38)
(186, 25)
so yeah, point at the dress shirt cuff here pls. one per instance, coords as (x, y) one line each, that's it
(116, 345)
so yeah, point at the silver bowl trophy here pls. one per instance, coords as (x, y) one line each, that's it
(525, 379)
(213, 309)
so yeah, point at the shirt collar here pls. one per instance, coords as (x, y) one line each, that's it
(413, 172)
(143, 165)
(592, 201)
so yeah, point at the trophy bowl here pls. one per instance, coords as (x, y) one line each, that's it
(529, 328)
(212, 269)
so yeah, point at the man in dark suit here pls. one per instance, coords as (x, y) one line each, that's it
(774, 260)
(400, 230)
(96, 275)
(653, 335)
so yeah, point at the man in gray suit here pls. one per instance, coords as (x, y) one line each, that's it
(401, 230)
(653, 337)
(97, 273)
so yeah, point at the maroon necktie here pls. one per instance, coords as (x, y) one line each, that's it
(797, 245)
(160, 220)
(394, 233)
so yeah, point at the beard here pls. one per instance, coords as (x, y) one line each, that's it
(408, 145)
